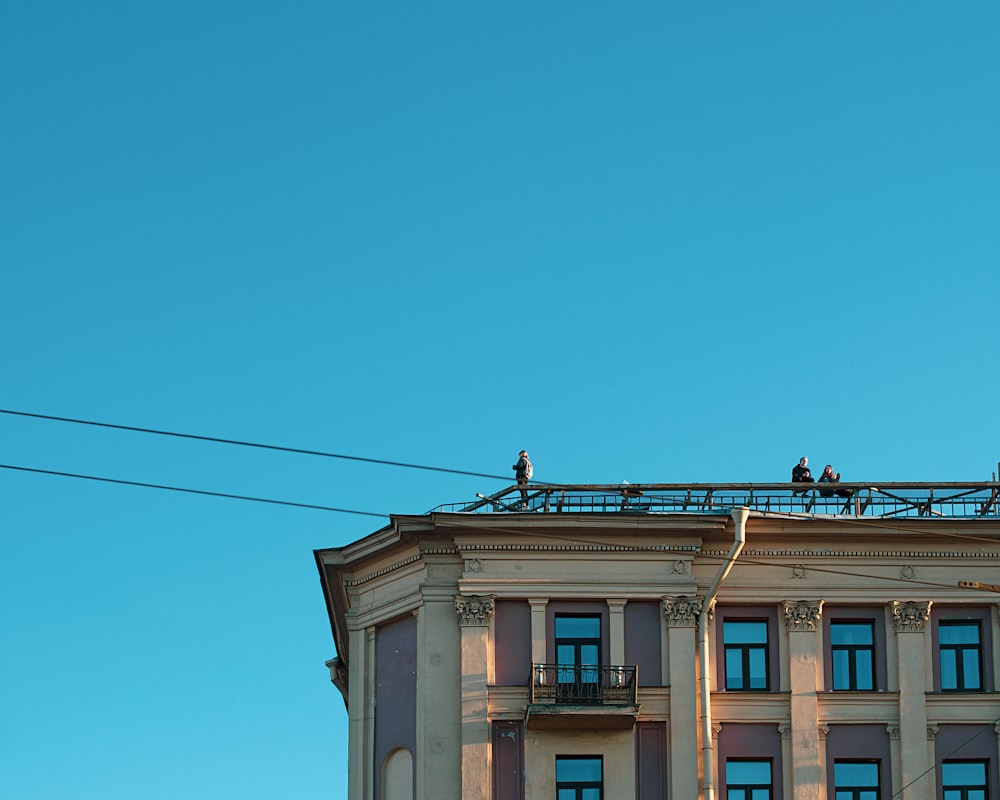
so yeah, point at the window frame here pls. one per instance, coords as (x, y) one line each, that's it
(968, 614)
(578, 787)
(858, 791)
(964, 789)
(962, 653)
(774, 642)
(852, 651)
(749, 791)
(746, 651)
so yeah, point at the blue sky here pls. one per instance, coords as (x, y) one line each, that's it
(659, 242)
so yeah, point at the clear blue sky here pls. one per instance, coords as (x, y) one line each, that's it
(656, 241)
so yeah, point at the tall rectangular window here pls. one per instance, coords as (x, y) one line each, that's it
(745, 644)
(748, 779)
(961, 653)
(856, 780)
(852, 648)
(579, 778)
(964, 780)
(578, 657)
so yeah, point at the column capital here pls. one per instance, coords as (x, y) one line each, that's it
(932, 732)
(474, 609)
(682, 611)
(616, 604)
(910, 616)
(802, 615)
(893, 731)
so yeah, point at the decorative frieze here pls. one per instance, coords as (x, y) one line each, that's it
(682, 611)
(910, 616)
(802, 615)
(474, 609)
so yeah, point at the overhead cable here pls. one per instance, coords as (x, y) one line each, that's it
(193, 491)
(259, 445)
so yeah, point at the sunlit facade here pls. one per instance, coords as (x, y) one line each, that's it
(663, 644)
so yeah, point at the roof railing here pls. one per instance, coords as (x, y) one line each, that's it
(862, 499)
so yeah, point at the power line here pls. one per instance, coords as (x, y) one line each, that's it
(258, 445)
(193, 491)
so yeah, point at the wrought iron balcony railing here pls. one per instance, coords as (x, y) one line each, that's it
(583, 684)
(949, 500)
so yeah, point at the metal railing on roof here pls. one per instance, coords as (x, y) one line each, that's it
(950, 500)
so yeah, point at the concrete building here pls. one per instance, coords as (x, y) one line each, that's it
(747, 642)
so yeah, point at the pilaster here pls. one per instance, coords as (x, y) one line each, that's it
(909, 620)
(538, 652)
(801, 620)
(616, 630)
(474, 615)
(681, 616)
(439, 716)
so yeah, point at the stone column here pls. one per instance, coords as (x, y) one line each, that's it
(681, 614)
(538, 605)
(616, 632)
(801, 619)
(474, 615)
(439, 715)
(361, 714)
(910, 621)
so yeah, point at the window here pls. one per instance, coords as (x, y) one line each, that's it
(748, 780)
(745, 643)
(960, 647)
(852, 650)
(964, 780)
(578, 657)
(579, 778)
(855, 780)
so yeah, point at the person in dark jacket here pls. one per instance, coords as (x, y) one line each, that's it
(801, 473)
(523, 472)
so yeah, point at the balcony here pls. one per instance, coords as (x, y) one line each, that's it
(587, 696)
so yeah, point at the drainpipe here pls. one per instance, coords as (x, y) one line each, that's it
(739, 516)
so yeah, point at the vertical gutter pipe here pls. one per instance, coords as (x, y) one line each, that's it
(739, 516)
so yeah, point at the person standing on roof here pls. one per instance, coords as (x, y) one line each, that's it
(523, 472)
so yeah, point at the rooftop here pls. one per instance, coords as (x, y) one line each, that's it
(973, 500)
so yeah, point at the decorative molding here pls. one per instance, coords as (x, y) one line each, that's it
(996, 729)
(893, 731)
(910, 616)
(473, 565)
(823, 731)
(716, 730)
(682, 611)
(474, 609)
(680, 567)
(802, 615)
(379, 573)
(799, 571)
(907, 573)
(932, 732)
(785, 731)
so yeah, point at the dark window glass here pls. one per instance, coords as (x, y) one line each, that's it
(578, 646)
(960, 650)
(964, 780)
(856, 780)
(748, 780)
(745, 644)
(852, 646)
(579, 778)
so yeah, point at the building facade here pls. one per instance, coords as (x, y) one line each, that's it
(682, 642)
